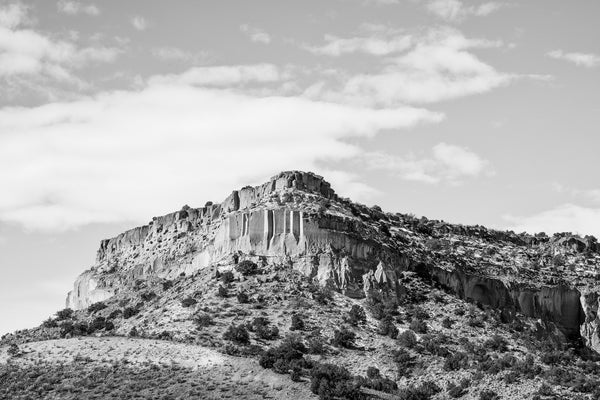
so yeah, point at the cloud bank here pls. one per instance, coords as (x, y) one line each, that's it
(128, 155)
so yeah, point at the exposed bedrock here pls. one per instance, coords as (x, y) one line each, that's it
(561, 305)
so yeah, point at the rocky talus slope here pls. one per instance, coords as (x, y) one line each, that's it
(350, 301)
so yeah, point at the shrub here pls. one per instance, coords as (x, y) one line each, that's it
(166, 285)
(129, 312)
(373, 373)
(433, 345)
(97, 307)
(246, 267)
(222, 291)
(488, 395)
(356, 315)
(288, 354)
(50, 323)
(404, 362)
(418, 325)
(147, 296)
(321, 295)
(267, 332)
(456, 391)
(408, 339)
(237, 334)
(227, 277)
(165, 335)
(456, 361)
(62, 315)
(14, 350)
(424, 392)
(387, 328)
(343, 337)
(188, 302)
(297, 323)
(296, 374)
(447, 323)
(330, 381)
(203, 320)
(243, 298)
(496, 343)
(316, 345)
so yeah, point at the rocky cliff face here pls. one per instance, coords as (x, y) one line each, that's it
(297, 220)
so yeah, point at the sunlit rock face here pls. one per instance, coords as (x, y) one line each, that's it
(252, 221)
(297, 220)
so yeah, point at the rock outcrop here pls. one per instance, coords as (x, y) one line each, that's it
(296, 219)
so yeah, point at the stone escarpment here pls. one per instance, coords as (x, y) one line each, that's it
(297, 220)
(281, 221)
(559, 304)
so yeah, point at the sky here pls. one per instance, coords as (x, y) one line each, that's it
(112, 112)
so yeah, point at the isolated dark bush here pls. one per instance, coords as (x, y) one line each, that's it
(387, 328)
(13, 350)
(246, 267)
(407, 339)
(456, 361)
(97, 307)
(418, 325)
(227, 277)
(237, 334)
(242, 298)
(488, 395)
(456, 391)
(447, 323)
(296, 374)
(147, 296)
(424, 392)
(496, 343)
(50, 323)
(297, 323)
(222, 291)
(343, 337)
(166, 285)
(434, 345)
(321, 295)
(356, 315)
(62, 315)
(129, 312)
(188, 302)
(404, 362)
(330, 381)
(316, 345)
(134, 332)
(289, 353)
(165, 335)
(203, 320)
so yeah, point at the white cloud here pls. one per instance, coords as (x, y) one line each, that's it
(12, 15)
(456, 10)
(139, 23)
(255, 34)
(129, 155)
(447, 163)
(564, 218)
(378, 46)
(592, 195)
(76, 7)
(439, 66)
(588, 60)
(177, 54)
(226, 75)
(24, 51)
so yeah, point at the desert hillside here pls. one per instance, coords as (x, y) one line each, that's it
(286, 290)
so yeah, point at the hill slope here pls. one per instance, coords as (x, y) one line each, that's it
(440, 310)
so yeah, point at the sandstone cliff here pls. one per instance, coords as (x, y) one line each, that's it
(297, 220)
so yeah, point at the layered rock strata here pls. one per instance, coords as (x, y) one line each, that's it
(296, 219)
